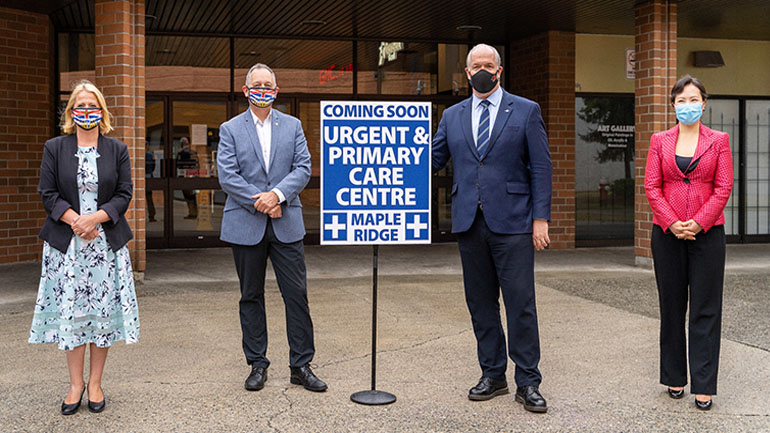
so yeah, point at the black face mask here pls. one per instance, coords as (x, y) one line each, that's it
(483, 81)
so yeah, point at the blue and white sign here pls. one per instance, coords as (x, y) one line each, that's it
(375, 173)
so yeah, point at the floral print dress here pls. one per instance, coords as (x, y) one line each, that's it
(87, 294)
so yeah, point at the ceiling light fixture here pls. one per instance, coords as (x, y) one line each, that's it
(469, 27)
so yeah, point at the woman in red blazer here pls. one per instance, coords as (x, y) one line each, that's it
(688, 181)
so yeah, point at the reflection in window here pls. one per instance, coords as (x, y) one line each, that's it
(76, 59)
(757, 167)
(184, 63)
(198, 212)
(196, 137)
(722, 115)
(604, 163)
(397, 68)
(300, 66)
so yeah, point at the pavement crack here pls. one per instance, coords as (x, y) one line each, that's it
(284, 393)
(395, 350)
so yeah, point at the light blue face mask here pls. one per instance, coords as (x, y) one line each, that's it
(689, 114)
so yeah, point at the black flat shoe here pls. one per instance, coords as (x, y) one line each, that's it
(531, 398)
(703, 405)
(676, 394)
(488, 388)
(256, 379)
(96, 406)
(69, 409)
(304, 376)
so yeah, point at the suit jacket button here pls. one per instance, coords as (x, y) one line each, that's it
(268, 184)
(481, 164)
(477, 186)
(687, 181)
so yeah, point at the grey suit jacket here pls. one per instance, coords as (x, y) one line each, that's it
(242, 174)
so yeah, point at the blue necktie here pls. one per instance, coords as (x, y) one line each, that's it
(482, 139)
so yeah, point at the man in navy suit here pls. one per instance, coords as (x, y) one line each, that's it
(264, 164)
(501, 204)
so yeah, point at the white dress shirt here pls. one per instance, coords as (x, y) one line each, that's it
(494, 105)
(265, 134)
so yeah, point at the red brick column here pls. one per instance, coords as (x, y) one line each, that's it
(656, 34)
(25, 124)
(543, 70)
(119, 39)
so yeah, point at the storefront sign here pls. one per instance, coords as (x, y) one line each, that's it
(617, 135)
(630, 64)
(389, 51)
(375, 172)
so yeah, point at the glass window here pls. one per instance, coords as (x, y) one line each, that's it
(300, 66)
(722, 115)
(604, 169)
(757, 167)
(190, 64)
(154, 202)
(198, 212)
(196, 137)
(398, 68)
(76, 59)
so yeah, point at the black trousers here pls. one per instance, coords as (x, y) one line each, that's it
(289, 264)
(699, 266)
(495, 263)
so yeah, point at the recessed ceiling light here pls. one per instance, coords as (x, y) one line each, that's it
(166, 51)
(469, 27)
(150, 17)
(249, 53)
(314, 23)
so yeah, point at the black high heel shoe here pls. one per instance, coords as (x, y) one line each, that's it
(96, 406)
(703, 405)
(676, 394)
(69, 409)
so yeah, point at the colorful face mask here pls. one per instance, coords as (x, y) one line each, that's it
(87, 118)
(689, 113)
(261, 96)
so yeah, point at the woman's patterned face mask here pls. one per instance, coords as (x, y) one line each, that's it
(87, 118)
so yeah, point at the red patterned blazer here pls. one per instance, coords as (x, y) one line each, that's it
(702, 193)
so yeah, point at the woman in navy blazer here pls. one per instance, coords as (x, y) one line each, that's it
(86, 294)
(688, 181)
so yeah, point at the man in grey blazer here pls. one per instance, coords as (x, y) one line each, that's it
(264, 164)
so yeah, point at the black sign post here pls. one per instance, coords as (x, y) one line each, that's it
(373, 397)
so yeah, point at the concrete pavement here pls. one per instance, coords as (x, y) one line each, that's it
(598, 330)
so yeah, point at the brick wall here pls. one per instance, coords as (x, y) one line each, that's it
(25, 124)
(656, 30)
(542, 68)
(119, 40)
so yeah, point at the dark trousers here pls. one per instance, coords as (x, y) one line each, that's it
(289, 264)
(493, 263)
(699, 266)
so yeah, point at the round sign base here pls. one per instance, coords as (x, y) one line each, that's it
(373, 398)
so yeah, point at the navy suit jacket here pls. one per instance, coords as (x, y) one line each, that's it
(511, 181)
(58, 188)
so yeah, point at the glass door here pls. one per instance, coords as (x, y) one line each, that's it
(184, 200)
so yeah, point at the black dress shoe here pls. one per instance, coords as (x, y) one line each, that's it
(69, 409)
(703, 405)
(530, 397)
(488, 388)
(96, 406)
(256, 379)
(676, 394)
(305, 377)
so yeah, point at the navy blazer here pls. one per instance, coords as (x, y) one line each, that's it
(512, 181)
(59, 189)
